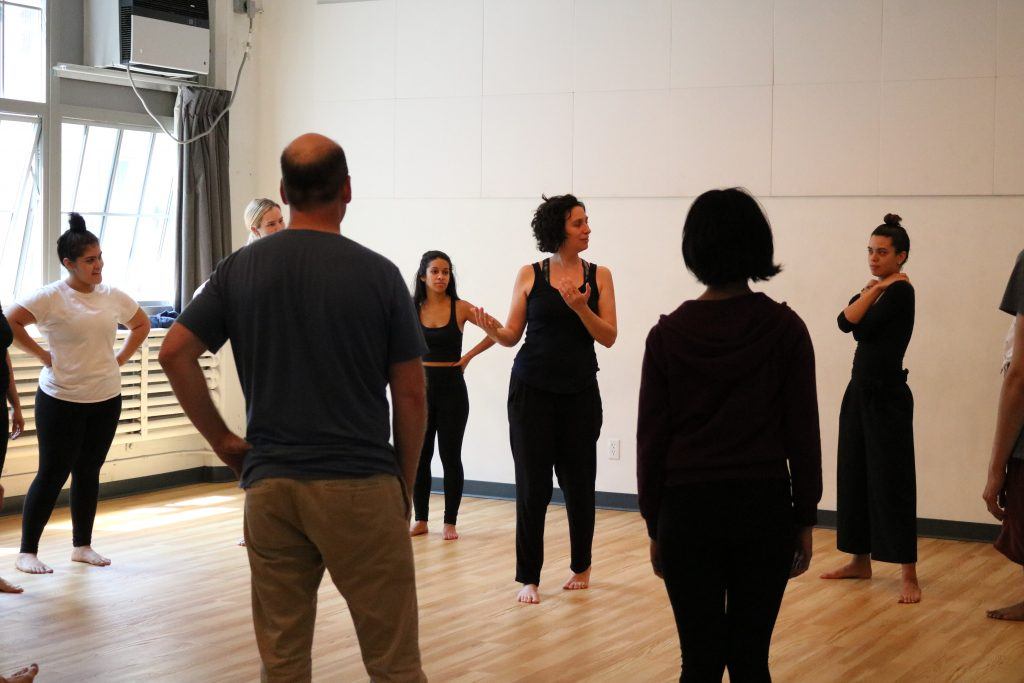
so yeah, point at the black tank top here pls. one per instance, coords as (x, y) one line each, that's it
(558, 355)
(444, 344)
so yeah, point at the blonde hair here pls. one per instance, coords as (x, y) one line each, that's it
(254, 213)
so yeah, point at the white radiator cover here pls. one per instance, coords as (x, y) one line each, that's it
(150, 414)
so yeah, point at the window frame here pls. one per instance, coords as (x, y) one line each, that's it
(122, 121)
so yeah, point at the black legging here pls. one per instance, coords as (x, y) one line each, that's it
(447, 414)
(726, 554)
(549, 430)
(73, 441)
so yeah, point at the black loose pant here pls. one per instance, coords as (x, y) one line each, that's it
(549, 430)
(447, 414)
(876, 480)
(73, 441)
(726, 554)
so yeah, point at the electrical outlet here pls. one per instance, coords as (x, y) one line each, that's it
(614, 449)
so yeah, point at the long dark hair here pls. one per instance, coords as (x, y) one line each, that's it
(419, 287)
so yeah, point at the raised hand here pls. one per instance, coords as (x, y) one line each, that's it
(486, 322)
(895, 277)
(572, 296)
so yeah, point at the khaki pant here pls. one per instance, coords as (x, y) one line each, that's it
(357, 529)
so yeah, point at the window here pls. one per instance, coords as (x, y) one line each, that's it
(22, 73)
(20, 214)
(123, 183)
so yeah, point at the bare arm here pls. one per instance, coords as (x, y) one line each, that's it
(179, 357)
(20, 318)
(465, 312)
(515, 325)
(409, 401)
(602, 326)
(17, 421)
(1009, 421)
(138, 327)
(856, 311)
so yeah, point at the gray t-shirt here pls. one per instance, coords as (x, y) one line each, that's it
(315, 321)
(1013, 303)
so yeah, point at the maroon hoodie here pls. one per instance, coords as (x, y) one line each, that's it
(727, 392)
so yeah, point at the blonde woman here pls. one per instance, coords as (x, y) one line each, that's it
(263, 218)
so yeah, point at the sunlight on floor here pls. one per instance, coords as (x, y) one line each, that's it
(138, 519)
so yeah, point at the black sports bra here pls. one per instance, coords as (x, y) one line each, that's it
(444, 343)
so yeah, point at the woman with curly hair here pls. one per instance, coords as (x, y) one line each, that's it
(564, 304)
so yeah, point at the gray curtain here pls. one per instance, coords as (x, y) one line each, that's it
(204, 194)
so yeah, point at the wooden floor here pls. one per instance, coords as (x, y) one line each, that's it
(174, 606)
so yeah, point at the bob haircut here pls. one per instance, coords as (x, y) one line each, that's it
(727, 239)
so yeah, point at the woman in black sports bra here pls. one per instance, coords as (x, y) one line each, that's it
(564, 304)
(442, 317)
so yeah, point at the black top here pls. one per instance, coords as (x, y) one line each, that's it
(727, 392)
(315, 321)
(444, 343)
(1013, 297)
(558, 355)
(883, 333)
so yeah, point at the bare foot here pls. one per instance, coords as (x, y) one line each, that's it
(578, 581)
(857, 569)
(910, 593)
(30, 564)
(6, 587)
(1011, 613)
(86, 554)
(25, 675)
(241, 542)
(418, 528)
(528, 594)
(449, 533)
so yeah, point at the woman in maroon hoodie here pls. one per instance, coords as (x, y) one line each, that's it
(728, 445)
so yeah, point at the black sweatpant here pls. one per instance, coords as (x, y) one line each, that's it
(549, 430)
(876, 480)
(726, 554)
(73, 441)
(447, 414)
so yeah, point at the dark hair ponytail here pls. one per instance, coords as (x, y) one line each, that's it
(76, 239)
(892, 227)
(419, 287)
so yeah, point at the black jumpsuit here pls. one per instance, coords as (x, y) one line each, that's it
(877, 486)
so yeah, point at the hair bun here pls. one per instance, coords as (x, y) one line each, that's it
(76, 223)
(892, 219)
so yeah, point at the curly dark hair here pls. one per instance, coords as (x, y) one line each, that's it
(549, 221)
(727, 239)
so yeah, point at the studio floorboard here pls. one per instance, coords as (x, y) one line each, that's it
(174, 606)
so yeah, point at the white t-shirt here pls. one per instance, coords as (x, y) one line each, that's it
(80, 330)
(1008, 344)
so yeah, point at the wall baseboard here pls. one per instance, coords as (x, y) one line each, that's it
(606, 500)
(136, 485)
(930, 528)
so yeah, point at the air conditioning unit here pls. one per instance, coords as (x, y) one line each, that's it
(166, 37)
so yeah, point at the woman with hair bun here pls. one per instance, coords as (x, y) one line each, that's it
(877, 486)
(78, 402)
(564, 304)
(442, 315)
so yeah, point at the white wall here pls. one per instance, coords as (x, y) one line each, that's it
(457, 114)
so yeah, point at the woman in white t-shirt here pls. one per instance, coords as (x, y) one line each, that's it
(78, 402)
